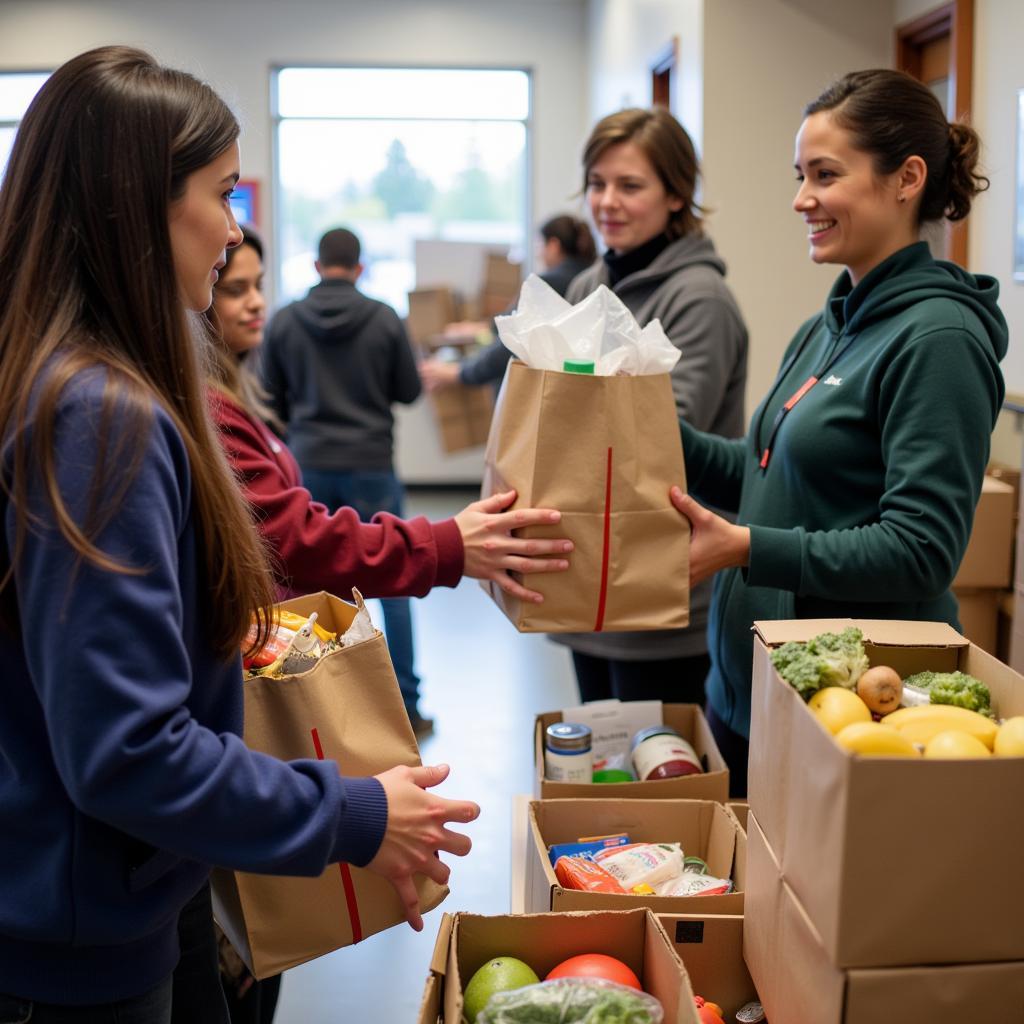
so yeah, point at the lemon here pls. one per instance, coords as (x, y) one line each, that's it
(836, 707)
(501, 974)
(953, 743)
(1010, 738)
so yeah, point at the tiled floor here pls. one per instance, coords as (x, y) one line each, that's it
(483, 683)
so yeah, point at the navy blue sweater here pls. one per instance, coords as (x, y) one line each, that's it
(122, 774)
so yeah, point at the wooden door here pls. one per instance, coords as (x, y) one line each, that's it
(937, 49)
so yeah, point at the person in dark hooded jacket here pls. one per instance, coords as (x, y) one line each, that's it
(334, 364)
(856, 485)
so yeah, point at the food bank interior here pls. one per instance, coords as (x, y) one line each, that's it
(743, 71)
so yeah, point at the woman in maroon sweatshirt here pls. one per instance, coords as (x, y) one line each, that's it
(315, 549)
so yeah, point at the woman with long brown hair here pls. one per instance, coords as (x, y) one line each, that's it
(131, 570)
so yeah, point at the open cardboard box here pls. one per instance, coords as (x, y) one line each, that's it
(688, 720)
(466, 942)
(741, 810)
(703, 828)
(798, 984)
(711, 948)
(896, 860)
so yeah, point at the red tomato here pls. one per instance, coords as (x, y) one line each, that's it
(595, 965)
(706, 1015)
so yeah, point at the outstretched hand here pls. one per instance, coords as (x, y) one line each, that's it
(715, 543)
(416, 832)
(436, 374)
(491, 552)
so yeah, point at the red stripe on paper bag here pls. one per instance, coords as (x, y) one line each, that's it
(346, 873)
(602, 598)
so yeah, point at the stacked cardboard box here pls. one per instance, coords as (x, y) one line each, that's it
(703, 828)
(467, 941)
(711, 948)
(463, 414)
(688, 720)
(859, 905)
(986, 572)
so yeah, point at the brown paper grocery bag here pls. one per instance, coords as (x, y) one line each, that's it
(604, 451)
(346, 709)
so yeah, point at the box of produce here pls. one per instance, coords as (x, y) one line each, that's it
(711, 948)
(798, 983)
(880, 773)
(607, 966)
(676, 856)
(614, 726)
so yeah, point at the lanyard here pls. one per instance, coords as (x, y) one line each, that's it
(764, 455)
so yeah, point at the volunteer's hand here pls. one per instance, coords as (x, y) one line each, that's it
(715, 543)
(416, 832)
(437, 374)
(491, 552)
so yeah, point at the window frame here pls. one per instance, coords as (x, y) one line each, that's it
(276, 118)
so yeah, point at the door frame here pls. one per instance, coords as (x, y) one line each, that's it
(955, 19)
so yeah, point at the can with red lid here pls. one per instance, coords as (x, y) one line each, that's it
(659, 752)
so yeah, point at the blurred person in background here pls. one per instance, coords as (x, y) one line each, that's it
(640, 176)
(857, 484)
(567, 250)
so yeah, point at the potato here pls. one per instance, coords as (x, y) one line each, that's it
(881, 689)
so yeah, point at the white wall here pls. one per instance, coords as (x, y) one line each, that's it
(998, 74)
(233, 45)
(764, 60)
(625, 39)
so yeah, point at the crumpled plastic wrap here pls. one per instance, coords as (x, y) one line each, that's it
(572, 1001)
(545, 331)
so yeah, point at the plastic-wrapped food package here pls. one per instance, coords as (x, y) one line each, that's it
(572, 1001)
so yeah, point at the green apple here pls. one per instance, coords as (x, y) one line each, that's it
(501, 974)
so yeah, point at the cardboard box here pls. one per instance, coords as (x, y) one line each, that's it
(430, 311)
(463, 415)
(988, 561)
(466, 942)
(502, 278)
(1016, 653)
(711, 948)
(741, 811)
(689, 721)
(979, 616)
(703, 828)
(879, 850)
(798, 984)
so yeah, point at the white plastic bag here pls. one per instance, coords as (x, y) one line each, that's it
(545, 331)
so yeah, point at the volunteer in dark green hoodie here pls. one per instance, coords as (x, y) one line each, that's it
(856, 486)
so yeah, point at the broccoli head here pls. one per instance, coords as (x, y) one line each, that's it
(829, 659)
(956, 688)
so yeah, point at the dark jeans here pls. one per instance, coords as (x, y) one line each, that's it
(153, 1007)
(257, 1004)
(198, 997)
(736, 751)
(672, 680)
(370, 492)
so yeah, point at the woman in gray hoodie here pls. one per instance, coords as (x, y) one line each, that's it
(640, 178)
